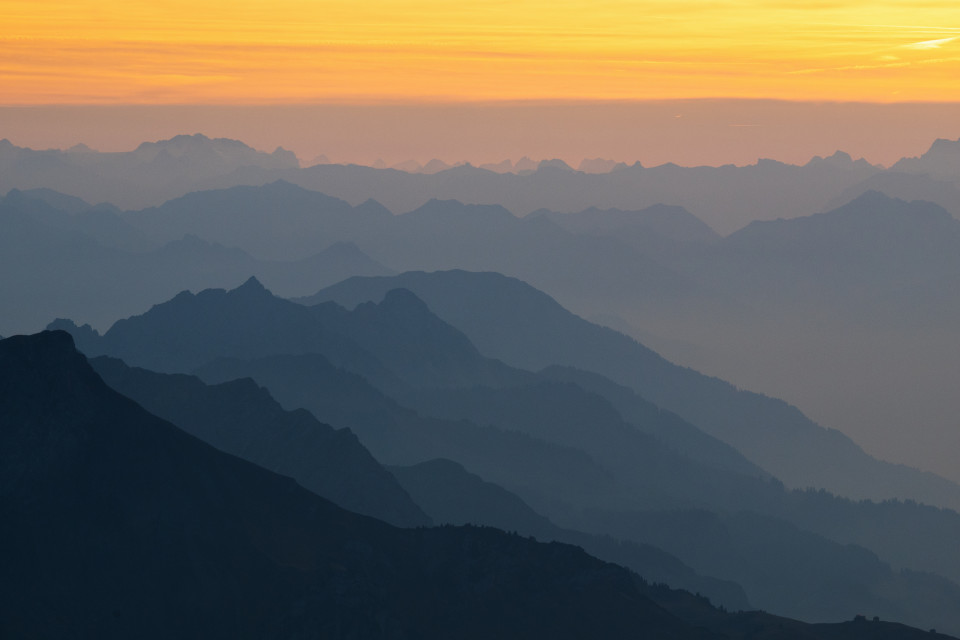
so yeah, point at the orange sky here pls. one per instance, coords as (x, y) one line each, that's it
(376, 51)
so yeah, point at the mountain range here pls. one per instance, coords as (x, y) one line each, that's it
(725, 197)
(697, 374)
(127, 526)
(510, 320)
(739, 307)
(563, 449)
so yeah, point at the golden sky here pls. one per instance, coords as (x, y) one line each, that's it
(375, 51)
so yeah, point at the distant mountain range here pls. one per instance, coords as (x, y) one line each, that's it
(727, 197)
(150, 174)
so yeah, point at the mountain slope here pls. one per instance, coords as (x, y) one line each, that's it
(508, 319)
(95, 267)
(126, 526)
(242, 419)
(452, 495)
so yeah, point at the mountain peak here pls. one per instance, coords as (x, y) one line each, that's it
(941, 145)
(251, 286)
(405, 300)
(874, 197)
(44, 344)
(42, 371)
(554, 163)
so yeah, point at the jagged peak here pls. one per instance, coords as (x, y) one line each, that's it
(252, 285)
(69, 326)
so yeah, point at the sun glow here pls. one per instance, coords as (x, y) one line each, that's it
(254, 52)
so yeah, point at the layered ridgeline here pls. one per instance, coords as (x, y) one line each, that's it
(88, 262)
(726, 197)
(153, 172)
(510, 320)
(859, 334)
(126, 526)
(593, 467)
(240, 418)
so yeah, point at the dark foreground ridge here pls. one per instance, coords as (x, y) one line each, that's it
(124, 526)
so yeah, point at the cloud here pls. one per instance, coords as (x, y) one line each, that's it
(930, 44)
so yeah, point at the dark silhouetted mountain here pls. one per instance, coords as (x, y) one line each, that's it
(240, 418)
(452, 495)
(190, 330)
(665, 426)
(410, 340)
(397, 340)
(399, 344)
(125, 526)
(792, 571)
(567, 415)
(557, 480)
(554, 478)
(396, 435)
(563, 413)
(512, 321)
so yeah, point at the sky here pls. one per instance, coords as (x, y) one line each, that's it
(429, 53)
